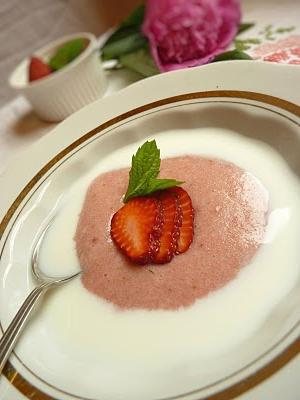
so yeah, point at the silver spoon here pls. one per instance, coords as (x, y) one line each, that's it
(13, 332)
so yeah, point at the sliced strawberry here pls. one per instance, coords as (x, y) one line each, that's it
(170, 228)
(136, 228)
(38, 69)
(187, 226)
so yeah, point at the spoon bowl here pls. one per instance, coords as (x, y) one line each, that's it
(45, 282)
(38, 274)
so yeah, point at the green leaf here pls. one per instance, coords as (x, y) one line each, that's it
(127, 38)
(144, 166)
(120, 34)
(66, 53)
(140, 61)
(161, 184)
(245, 26)
(127, 41)
(232, 55)
(144, 170)
(136, 18)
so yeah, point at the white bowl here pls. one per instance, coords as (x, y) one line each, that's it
(218, 94)
(58, 95)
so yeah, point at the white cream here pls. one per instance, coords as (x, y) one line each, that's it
(158, 353)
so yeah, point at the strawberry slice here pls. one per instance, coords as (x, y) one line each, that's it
(136, 228)
(152, 229)
(187, 226)
(38, 69)
(170, 228)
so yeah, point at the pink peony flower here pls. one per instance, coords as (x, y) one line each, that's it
(186, 33)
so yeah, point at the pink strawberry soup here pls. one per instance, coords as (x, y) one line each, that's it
(231, 208)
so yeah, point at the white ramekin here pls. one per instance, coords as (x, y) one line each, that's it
(58, 95)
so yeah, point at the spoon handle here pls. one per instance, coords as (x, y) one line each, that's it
(15, 328)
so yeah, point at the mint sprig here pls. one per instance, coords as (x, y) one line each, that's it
(145, 168)
(66, 53)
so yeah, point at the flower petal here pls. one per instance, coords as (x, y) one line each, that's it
(187, 33)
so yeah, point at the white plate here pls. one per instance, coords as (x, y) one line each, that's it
(240, 96)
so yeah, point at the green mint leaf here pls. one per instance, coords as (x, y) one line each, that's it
(245, 26)
(144, 170)
(125, 41)
(144, 166)
(67, 53)
(161, 184)
(140, 61)
(232, 55)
